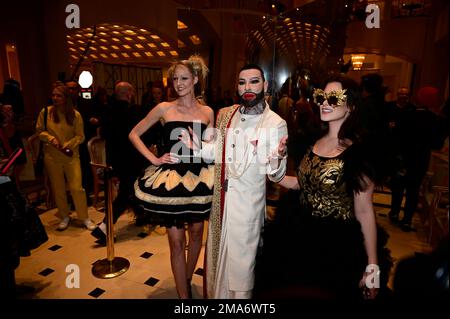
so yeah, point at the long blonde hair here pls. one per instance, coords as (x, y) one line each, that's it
(68, 110)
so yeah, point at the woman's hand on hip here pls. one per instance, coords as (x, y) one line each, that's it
(166, 159)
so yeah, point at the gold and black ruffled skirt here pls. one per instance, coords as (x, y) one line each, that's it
(175, 194)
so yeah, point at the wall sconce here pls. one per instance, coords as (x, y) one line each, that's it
(357, 61)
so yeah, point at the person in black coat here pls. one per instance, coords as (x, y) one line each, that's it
(420, 131)
(125, 161)
(398, 114)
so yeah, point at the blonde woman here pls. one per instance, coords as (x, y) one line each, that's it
(176, 189)
(62, 133)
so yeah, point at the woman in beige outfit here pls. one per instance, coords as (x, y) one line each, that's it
(62, 135)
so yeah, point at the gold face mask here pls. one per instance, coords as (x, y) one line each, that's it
(334, 98)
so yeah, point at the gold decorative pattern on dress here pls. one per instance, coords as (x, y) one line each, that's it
(172, 181)
(170, 200)
(190, 181)
(171, 178)
(305, 166)
(150, 174)
(207, 176)
(161, 178)
(331, 171)
(324, 190)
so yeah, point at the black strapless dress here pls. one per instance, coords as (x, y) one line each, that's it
(175, 194)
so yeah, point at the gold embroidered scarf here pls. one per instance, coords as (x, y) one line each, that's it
(215, 217)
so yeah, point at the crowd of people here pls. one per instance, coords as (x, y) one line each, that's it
(180, 162)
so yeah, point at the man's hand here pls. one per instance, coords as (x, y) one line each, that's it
(192, 143)
(282, 146)
(278, 154)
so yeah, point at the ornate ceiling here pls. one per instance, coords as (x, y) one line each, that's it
(303, 32)
(300, 41)
(118, 43)
(311, 35)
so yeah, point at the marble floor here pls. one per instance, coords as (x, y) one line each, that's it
(52, 267)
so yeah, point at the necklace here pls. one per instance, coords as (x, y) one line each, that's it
(236, 169)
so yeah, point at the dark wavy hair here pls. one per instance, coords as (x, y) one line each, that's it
(360, 159)
(350, 129)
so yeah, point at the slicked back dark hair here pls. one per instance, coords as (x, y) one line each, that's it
(251, 66)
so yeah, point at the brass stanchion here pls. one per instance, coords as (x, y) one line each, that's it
(111, 266)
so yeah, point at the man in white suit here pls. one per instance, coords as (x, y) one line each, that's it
(250, 144)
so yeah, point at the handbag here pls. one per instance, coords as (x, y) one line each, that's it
(39, 166)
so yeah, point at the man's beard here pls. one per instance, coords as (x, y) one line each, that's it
(251, 103)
